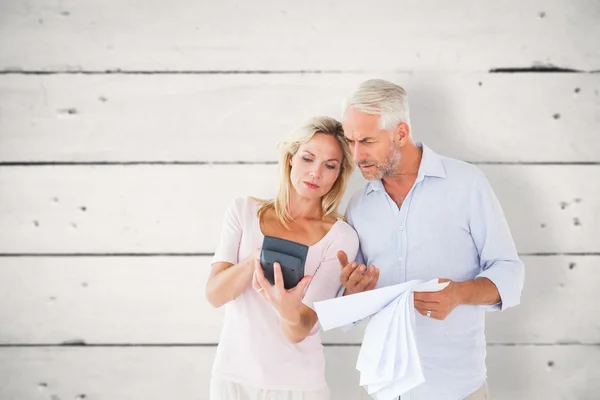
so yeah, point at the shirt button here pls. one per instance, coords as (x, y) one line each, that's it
(400, 259)
(401, 227)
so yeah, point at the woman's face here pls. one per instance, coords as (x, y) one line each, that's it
(316, 166)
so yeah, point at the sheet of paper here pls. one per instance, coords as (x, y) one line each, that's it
(347, 309)
(388, 360)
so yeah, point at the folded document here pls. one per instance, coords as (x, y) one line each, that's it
(388, 360)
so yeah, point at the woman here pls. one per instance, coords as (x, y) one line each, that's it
(270, 346)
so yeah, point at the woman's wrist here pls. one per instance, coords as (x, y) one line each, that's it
(292, 318)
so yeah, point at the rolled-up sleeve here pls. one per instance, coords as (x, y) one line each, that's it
(498, 257)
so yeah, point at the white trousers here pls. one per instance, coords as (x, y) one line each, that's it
(227, 390)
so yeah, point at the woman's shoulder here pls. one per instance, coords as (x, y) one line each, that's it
(247, 203)
(244, 209)
(344, 232)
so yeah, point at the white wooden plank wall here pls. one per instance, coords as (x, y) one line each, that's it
(126, 127)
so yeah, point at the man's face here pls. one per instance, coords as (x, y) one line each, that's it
(373, 148)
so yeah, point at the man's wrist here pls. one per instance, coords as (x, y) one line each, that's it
(464, 290)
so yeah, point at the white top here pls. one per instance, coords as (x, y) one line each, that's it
(253, 349)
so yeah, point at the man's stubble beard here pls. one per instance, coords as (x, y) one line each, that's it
(387, 167)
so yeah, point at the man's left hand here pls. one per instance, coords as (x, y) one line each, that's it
(438, 305)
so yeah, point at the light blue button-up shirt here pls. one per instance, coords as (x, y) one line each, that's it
(450, 225)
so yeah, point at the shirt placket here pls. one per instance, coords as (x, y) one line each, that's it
(402, 233)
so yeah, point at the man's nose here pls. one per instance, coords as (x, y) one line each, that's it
(357, 152)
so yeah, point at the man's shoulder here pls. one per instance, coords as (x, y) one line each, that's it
(460, 170)
(356, 197)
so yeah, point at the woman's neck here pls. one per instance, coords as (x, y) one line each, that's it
(303, 208)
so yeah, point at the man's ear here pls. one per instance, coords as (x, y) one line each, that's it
(402, 133)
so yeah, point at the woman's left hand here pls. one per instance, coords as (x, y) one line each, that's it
(286, 302)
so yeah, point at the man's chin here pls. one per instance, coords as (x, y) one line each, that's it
(370, 175)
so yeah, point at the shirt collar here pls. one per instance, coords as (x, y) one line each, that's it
(431, 165)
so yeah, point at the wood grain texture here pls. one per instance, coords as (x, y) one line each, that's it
(463, 35)
(120, 373)
(204, 118)
(179, 208)
(158, 300)
(157, 373)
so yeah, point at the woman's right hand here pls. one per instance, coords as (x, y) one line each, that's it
(287, 302)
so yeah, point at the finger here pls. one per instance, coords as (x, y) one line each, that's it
(421, 311)
(260, 276)
(357, 275)
(365, 280)
(427, 305)
(432, 313)
(427, 296)
(346, 272)
(260, 289)
(264, 295)
(278, 276)
(342, 258)
(374, 279)
(302, 285)
(255, 284)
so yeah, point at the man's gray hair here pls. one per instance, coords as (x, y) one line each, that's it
(383, 98)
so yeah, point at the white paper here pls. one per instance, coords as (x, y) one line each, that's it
(388, 360)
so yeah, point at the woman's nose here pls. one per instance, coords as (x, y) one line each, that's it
(315, 173)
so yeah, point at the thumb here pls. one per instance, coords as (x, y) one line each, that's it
(303, 284)
(342, 258)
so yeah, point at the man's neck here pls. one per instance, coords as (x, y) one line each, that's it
(407, 169)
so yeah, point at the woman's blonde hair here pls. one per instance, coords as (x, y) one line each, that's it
(288, 148)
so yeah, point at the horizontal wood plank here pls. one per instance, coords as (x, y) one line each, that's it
(154, 300)
(154, 373)
(157, 373)
(190, 118)
(312, 35)
(179, 208)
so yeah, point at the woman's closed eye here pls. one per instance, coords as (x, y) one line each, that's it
(328, 166)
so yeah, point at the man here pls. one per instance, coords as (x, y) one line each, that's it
(425, 216)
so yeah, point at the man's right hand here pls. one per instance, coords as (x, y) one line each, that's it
(354, 278)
